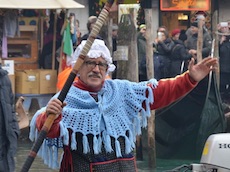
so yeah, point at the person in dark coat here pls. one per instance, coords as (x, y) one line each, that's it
(114, 46)
(191, 43)
(141, 48)
(179, 55)
(163, 46)
(45, 58)
(9, 130)
(224, 53)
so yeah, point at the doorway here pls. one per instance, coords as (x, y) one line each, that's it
(174, 20)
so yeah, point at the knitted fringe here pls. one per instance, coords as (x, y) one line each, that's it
(95, 145)
(73, 141)
(128, 147)
(86, 148)
(49, 154)
(33, 133)
(99, 143)
(118, 148)
(107, 142)
(64, 133)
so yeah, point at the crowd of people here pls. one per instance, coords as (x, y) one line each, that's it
(173, 51)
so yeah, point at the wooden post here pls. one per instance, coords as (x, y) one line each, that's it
(199, 41)
(216, 46)
(128, 69)
(150, 74)
(54, 40)
(41, 34)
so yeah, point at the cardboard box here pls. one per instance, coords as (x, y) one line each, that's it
(47, 81)
(12, 80)
(27, 82)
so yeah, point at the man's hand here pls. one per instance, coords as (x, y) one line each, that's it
(55, 107)
(198, 71)
(192, 52)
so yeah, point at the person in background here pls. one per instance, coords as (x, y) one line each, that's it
(73, 29)
(199, 18)
(175, 34)
(179, 55)
(114, 45)
(91, 21)
(98, 123)
(224, 53)
(9, 130)
(162, 29)
(141, 49)
(114, 37)
(45, 58)
(78, 33)
(191, 43)
(163, 46)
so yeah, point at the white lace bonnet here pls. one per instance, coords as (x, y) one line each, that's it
(98, 49)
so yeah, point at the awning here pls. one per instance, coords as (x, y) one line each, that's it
(40, 4)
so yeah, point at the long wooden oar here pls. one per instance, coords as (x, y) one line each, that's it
(49, 122)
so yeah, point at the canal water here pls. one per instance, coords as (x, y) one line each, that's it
(24, 146)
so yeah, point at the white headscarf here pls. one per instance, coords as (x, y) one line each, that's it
(98, 49)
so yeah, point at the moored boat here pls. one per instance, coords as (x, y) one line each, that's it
(183, 127)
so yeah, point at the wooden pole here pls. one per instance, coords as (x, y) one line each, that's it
(216, 46)
(127, 69)
(150, 74)
(54, 40)
(41, 34)
(199, 41)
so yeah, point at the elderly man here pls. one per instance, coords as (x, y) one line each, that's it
(100, 119)
(191, 43)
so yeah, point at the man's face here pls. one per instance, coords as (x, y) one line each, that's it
(93, 72)
(224, 29)
(202, 21)
(176, 37)
(114, 33)
(161, 29)
(91, 25)
(194, 29)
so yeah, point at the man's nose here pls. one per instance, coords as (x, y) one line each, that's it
(96, 68)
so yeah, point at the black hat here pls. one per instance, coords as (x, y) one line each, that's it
(195, 24)
(183, 35)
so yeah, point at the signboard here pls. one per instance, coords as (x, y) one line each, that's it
(8, 65)
(185, 5)
(121, 53)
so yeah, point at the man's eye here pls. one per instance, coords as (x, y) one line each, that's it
(101, 64)
(92, 63)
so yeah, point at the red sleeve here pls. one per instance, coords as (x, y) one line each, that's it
(55, 128)
(170, 90)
